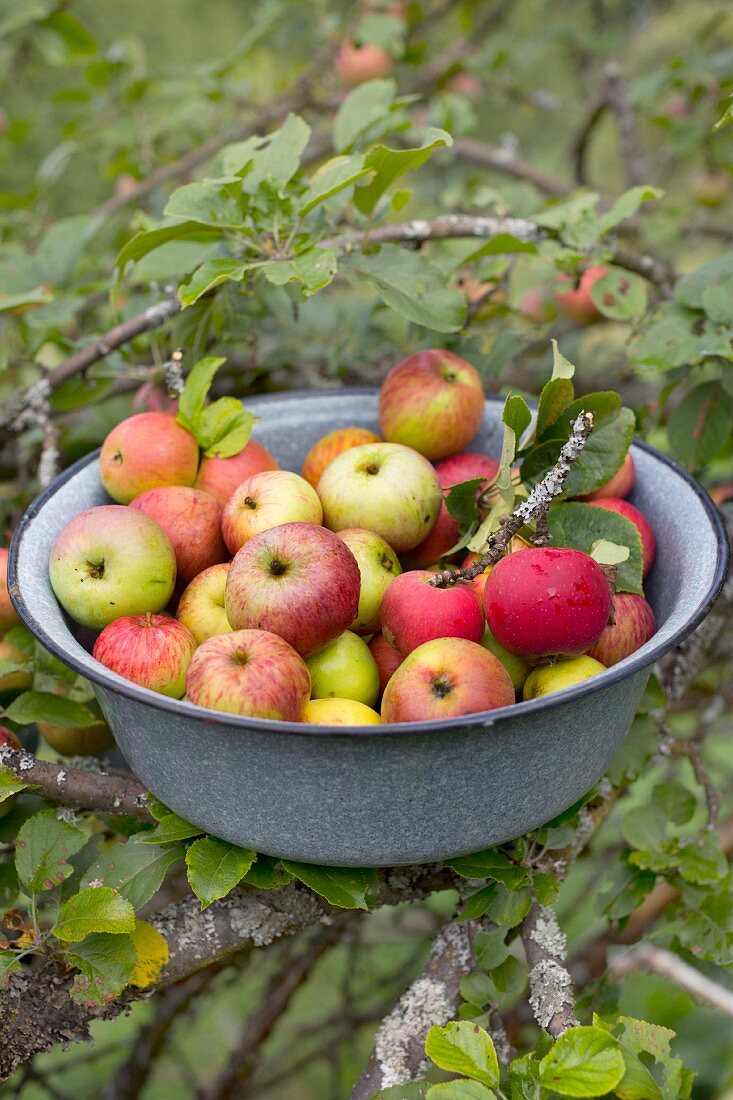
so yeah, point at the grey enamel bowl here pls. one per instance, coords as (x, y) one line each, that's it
(391, 794)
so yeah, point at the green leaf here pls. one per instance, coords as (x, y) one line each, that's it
(492, 948)
(516, 415)
(106, 963)
(9, 964)
(42, 850)
(346, 887)
(94, 909)
(575, 525)
(609, 553)
(674, 801)
(461, 501)
(620, 295)
(197, 385)
(134, 870)
(644, 827)
(602, 455)
(624, 890)
(463, 1047)
(626, 206)
(312, 270)
(700, 424)
(10, 302)
(9, 885)
(460, 1090)
(366, 105)
(545, 888)
(9, 783)
(210, 274)
(21, 13)
(477, 904)
(217, 203)
(390, 164)
(224, 428)
(690, 289)
(503, 244)
(331, 178)
(507, 978)
(216, 867)
(477, 988)
(267, 874)
(524, 1078)
(490, 864)
(278, 158)
(412, 285)
(717, 301)
(44, 706)
(585, 1061)
(143, 243)
(555, 397)
(170, 827)
(635, 1038)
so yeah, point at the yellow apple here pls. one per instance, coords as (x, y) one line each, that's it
(545, 679)
(339, 712)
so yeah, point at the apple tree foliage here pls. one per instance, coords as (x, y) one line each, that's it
(282, 230)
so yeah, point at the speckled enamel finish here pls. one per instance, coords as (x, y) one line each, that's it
(380, 795)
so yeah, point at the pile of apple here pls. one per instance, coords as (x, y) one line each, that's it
(305, 597)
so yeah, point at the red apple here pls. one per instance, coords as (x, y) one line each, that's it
(465, 467)
(221, 476)
(547, 601)
(478, 583)
(330, 446)
(378, 567)
(249, 672)
(619, 485)
(357, 64)
(721, 493)
(266, 500)
(382, 487)
(538, 305)
(465, 83)
(446, 678)
(644, 527)
(432, 401)
(191, 518)
(111, 561)
(388, 659)
(443, 536)
(634, 625)
(151, 650)
(576, 301)
(152, 398)
(8, 615)
(413, 612)
(201, 607)
(296, 580)
(145, 451)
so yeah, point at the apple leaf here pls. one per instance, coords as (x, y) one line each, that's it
(346, 887)
(152, 954)
(460, 1090)
(209, 274)
(412, 285)
(267, 873)
(585, 1061)
(580, 526)
(367, 104)
(461, 501)
(464, 1047)
(9, 783)
(143, 243)
(106, 962)
(620, 295)
(390, 164)
(216, 867)
(602, 455)
(135, 870)
(171, 827)
(42, 850)
(222, 428)
(700, 424)
(94, 909)
(44, 706)
(609, 553)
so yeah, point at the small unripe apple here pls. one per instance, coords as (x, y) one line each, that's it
(576, 301)
(77, 741)
(267, 500)
(378, 567)
(144, 452)
(357, 64)
(546, 679)
(634, 624)
(330, 446)
(153, 651)
(414, 612)
(619, 485)
(13, 681)
(8, 615)
(201, 607)
(387, 657)
(344, 669)
(642, 524)
(339, 712)
(547, 601)
(221, 476)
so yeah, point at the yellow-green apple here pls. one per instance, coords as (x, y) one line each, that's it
(77, 741)
(7, 737)
(191, 518)
(8, 615)
(634, 624)
(414, 612)
(710, 188)
(433, 401)
(517, 667)
(576, 300)
(619, 484)
(145, 451)
(330, 446)
(378, 567)
(266, 500)
(382, 487)
(250, 672)
(356, 64)
(339, 712)
(221, 476)
(546, 679)
(344, 669)
(642, 524)
(445, 678)
(111, 561)
(387, 657)
(297, 580)
(201, 606)
(153, 651)
(18, 680)
(547, 601)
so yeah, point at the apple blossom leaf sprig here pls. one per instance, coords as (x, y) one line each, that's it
(533, 509)
(221, 428)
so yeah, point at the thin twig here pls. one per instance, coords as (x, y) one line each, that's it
(506, 163)
(657, 960)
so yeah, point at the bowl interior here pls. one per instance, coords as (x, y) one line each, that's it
(691, 544)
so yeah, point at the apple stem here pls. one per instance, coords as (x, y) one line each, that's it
(534, 508)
